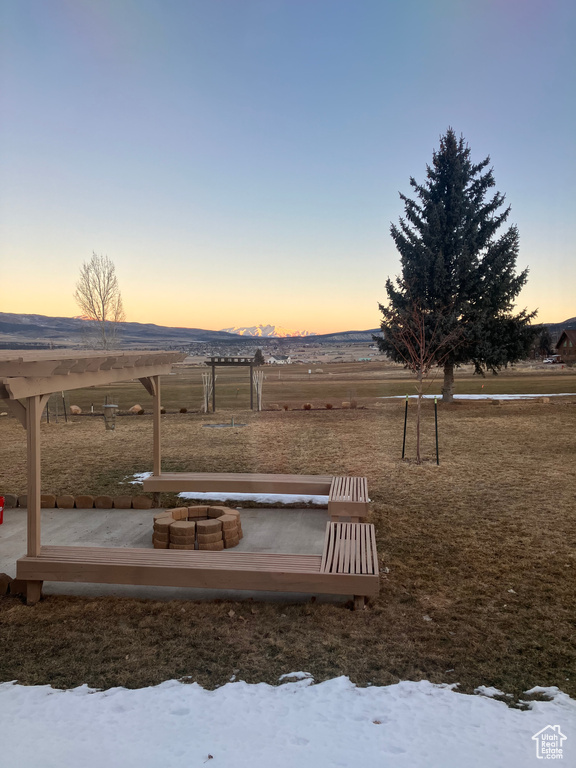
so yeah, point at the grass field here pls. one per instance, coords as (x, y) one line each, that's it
(332, 383)
(478, 555)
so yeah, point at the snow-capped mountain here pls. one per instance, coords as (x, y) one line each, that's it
(267, 330)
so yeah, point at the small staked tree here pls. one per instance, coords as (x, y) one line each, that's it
(99, 298)
(259, 357)
(453, 255)
(418, 337)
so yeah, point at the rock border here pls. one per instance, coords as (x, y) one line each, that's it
(80, 501)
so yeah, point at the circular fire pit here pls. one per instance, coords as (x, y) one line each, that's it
(208, 528)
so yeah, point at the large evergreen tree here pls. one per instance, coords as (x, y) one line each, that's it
(458, 266)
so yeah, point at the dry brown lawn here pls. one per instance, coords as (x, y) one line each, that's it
(477, 555)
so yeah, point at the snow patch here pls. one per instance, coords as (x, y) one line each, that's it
(260, 498)
(333, 723)
(138, 478)
(481, 397)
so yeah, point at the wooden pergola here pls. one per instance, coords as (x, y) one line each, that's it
(28, 378)
(348, 564)
(243, 362)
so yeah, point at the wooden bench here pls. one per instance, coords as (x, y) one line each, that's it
(238, 482)
(350, 548)
(347, 496)
(348, 499)
(348, 566)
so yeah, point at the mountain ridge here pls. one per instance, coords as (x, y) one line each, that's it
(267, 331)
(27, 329)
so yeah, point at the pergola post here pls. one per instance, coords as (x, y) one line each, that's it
(34, 412)
(156, 427)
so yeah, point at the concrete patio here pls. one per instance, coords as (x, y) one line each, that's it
(287, 531)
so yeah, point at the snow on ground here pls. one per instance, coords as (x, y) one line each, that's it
(293, 725)
(260, 498)
(138, 478)
(482, 396)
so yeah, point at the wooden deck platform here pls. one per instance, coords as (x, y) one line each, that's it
(348, 566)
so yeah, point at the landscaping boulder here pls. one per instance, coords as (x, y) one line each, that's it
(75, 410)
(141, 502)
(209, 538)
(197, 513)
(47, 501)
(5, 582)
(123, 502)
(103, 502)
(10, 500)
(208, 526)
(217, 546)
(65, 502)
(18, 587)
(135, 408)
(84, 501)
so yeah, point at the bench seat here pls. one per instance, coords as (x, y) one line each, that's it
(312, 574)
(347, 496)
(238, 482)
(348, 499)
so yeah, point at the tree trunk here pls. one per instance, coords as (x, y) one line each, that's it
(448, 388)
(418, 411)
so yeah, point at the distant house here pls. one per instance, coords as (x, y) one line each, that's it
(279, 360)
(566, 346)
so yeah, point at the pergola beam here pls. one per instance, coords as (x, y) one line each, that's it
(22, 387)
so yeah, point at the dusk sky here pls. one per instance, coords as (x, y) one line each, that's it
(240, 160)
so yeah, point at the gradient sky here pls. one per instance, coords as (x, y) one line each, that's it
(240, 160)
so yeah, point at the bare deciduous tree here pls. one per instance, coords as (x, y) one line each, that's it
(98, 296)
(420, 341)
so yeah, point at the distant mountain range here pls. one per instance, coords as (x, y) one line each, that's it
(33, 330)
(28, 330)
(267, 331)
